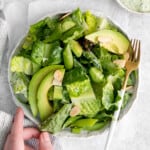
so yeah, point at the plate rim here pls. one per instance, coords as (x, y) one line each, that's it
(28, 113)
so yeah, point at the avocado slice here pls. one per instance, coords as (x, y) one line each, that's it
(34, 84)
(45, 109)
(113, 41)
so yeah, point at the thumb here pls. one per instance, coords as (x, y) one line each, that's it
(44, 142)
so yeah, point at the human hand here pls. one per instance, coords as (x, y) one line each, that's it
(18, 134)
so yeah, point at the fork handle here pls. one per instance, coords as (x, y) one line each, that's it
(114, 121)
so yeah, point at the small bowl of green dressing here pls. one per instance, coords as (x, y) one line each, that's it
(136, 6)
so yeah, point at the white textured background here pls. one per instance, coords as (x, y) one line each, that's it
(133, 131)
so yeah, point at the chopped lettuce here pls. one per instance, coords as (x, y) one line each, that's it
(40, 52)
(108, 95)
(91, 21)
(73, 34)
(46, 54)
(127, 97)
(78, 17)
(76, 74)
(103, 116)
(81, 92)
(67, 24)
(55, 123)
(24, 65)
(55, 55)
(55, 35)
(96, 126)
(92, 59)
(71, 120)
(77, 30)
(20, 84)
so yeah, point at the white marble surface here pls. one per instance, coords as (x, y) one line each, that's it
(133, 131)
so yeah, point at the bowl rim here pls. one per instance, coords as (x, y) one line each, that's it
(27, 112)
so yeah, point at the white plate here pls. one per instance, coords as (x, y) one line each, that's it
(131, 7)
(66, 132)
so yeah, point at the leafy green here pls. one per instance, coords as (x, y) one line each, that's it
(108, 95)
(78, 17)
(67, 24)
(39, 52)
(55, 35)
(54, 123)
(77, 64)
(76, 27)
(89, 55)
(56, 106)
(96, 126)
(103, 116)
(126, 99)
(66, 98)
(47, 54)
(55, 55)
(76, 74)
(91, 21)
(81, 92)
(83, 123)
(73, 34)
(20, 83)
(71, 120)
(24, 65)
(89, 107)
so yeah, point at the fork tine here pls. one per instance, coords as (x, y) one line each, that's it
(130, 49)
(134, 49)
(138, 53)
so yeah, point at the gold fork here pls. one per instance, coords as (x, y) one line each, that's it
(131, 64)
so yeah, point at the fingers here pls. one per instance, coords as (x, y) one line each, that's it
(6, 146)
(17, 127)
(28, 148)
(29, 133)
(44, 142)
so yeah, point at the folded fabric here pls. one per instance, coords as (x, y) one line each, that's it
(5, 125)
(3, 37)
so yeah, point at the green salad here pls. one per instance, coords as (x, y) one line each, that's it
(69, 71)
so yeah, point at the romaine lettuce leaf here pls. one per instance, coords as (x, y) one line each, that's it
(78, 29)
(55, 123)
(82, 95)
(39, 51)
(20, 83)
(108, 95)
(55, 54)
(47, 54)
(92, 59)
(78, 17)
(24, 65)
(126, 99)
(76, 74)
(91, 21)
(73, 34)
